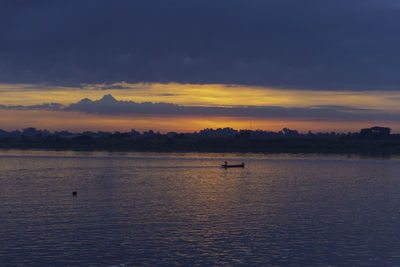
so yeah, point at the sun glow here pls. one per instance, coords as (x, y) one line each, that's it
(78, 122)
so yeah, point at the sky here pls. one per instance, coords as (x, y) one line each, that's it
(185, 65)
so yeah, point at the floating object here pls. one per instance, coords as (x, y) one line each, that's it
(226, 165)
(74, 193)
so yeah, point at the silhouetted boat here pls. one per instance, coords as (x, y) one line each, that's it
(226, 165)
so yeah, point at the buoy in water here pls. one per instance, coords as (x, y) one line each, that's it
(74, 193)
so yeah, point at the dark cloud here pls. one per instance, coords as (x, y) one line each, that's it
(44, 106)
(108, 105)
(342, 108)
(167, 94)
(115, 87)
(341, 44)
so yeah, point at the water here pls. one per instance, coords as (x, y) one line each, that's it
(143, 209)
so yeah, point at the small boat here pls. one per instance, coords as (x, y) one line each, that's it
(226, 165)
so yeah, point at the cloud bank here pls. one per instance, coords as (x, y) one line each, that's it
(108, 105)
(312, 44)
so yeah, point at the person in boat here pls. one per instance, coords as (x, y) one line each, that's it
(226, 165)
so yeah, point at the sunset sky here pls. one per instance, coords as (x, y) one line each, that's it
(185, 65)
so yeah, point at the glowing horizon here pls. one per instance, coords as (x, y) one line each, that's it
(206, 95)
(198, 94)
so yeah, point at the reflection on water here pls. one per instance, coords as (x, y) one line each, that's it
(165, 209)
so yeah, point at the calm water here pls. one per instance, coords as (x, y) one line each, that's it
(183, 209)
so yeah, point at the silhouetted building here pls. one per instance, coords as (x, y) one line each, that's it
(290, 133)
(375, 132)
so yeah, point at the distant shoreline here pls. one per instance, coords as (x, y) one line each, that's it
(371, 141)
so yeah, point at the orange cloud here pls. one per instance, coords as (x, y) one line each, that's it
(197, 94)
